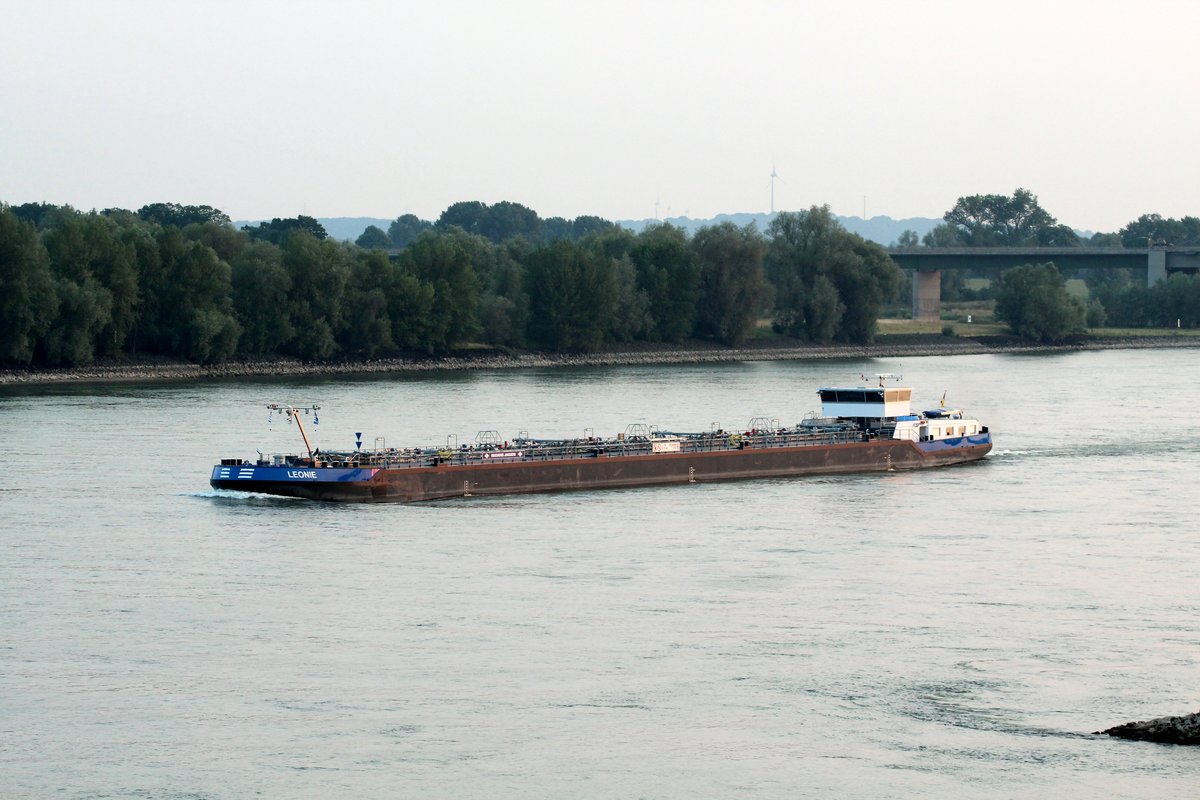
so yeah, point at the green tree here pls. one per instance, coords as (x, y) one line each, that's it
(410, 307)
(584, 226)
(318, 270)
(200, 324)
(116, 269)
(629, 312)
(442, 259)
(829, 283)
(954, 285)
(226, 242)
(944, 235)
(572, 292)
(869, 280)
(405, 228)
(908, 238)
(824, 310)
(152, 282)
(1153, 229)
(1106, 240)
(181, 216)
(504, 306)
(366, 325)
(1034, 302)
(466, 214)
(798, 260)
(668, 271)
(85, 308)
(631, 317)
(278, 230)
(995, 220)
(1177, 301)
(28, 303)
(733, 290)
(504, 220)
(613, 243)
(1126, 304)
(503, 301)
(34, 213)
(124, 218)
(85, 249)
(373, 238)
(556, 228)
(261, 290)
(484, 256)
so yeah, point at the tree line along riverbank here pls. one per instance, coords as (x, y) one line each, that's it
(179, 282)
(898, 346)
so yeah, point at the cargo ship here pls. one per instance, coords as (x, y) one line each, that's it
(859, 429)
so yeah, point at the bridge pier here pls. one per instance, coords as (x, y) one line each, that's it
(1156, 266)
(927, 295)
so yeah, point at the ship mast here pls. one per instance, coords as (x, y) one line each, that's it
(293, 413)
(883, 377)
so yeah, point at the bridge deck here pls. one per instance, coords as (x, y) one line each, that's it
(928, 262)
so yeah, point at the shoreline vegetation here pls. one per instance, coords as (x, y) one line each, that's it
(148, 295)
(158, 369)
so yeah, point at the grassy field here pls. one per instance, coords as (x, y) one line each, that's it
(909, 326)
(991, 328)
(1124, 333)
(954, 315)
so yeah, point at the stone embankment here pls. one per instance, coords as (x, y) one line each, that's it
(1165, 730)
(166, 370)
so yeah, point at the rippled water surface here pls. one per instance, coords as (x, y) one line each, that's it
(942, 634)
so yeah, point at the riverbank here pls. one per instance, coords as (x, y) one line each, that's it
(899, 346)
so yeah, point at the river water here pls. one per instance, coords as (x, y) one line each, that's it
(942, 634)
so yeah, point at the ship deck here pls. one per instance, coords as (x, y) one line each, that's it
(534, 450)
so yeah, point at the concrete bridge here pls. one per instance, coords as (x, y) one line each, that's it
(927, 264)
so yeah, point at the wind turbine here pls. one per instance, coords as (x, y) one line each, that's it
(774, 177)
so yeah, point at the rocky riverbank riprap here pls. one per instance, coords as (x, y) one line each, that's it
(1165, 730)
(165, 370)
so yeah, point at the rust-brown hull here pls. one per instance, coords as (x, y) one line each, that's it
(410, 484)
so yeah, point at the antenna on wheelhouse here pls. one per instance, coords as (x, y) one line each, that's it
(882, 377)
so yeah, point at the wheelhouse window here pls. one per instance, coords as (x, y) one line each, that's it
(852, 395)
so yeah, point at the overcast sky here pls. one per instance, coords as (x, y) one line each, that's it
(381, 108)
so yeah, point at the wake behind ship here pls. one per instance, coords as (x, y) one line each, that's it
(861, 429)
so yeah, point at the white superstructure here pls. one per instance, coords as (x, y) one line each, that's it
(866, 403)
(884, 407)
(944, 423)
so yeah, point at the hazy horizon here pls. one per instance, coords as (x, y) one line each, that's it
(375, 109)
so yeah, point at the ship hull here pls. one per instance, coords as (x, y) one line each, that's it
(600, 471)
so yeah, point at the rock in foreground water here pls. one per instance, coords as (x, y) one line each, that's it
(1168, 730)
